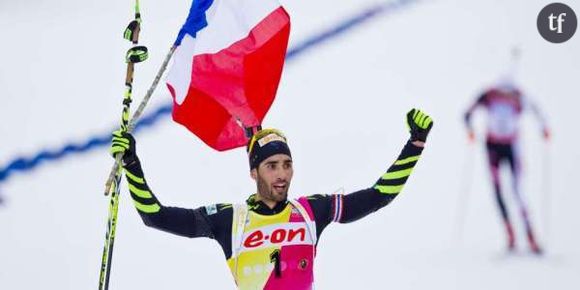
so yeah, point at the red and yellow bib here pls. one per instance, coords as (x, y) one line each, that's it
(274, 251)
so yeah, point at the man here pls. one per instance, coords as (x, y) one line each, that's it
(504, 104)
(270, 242)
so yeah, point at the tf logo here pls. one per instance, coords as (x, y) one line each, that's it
(557, 23)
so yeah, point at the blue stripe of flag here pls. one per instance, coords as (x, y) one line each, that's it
(196, 20)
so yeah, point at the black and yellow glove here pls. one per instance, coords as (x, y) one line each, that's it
(419, 125)
(124, 143)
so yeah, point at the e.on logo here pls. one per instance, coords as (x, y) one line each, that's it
(281, 235)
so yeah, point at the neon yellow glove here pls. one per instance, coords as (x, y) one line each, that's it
(419, 125)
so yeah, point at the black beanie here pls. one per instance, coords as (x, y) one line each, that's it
(264, 144)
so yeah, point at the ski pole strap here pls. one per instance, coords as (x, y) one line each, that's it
(132, 30)
(137, 54)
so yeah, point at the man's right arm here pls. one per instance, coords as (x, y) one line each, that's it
(467, 116)
(180, 221)
(199, 222)
(481, 100)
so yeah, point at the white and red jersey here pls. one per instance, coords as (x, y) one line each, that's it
(504, 106)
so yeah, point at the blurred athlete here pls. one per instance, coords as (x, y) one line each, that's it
(504, 105)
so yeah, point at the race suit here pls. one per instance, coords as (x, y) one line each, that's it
(271, 248)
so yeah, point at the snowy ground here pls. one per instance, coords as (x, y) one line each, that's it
(342, 106)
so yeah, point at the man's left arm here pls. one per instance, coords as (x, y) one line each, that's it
(351, 207)
(527, 103)
(358, 204)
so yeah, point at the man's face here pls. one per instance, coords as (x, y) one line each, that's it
(273, 177)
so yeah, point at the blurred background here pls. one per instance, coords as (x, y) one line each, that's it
(341, 102)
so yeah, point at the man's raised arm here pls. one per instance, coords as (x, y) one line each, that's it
(350, 207)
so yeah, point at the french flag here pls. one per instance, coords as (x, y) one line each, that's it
(227, 67)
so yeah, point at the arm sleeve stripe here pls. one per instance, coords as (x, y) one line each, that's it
(389, 189)
(397, 174)
(402, 167)
(340, 197)
(146, 201)
(139, 192)
(397, 181)
(337, 208)
(407, 160)
(151, 208)
(134, 178)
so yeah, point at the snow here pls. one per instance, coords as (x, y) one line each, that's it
(342, 106)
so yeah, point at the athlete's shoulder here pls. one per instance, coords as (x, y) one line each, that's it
(218, 208)
(324, 207)
(484, 97)
(320, 202)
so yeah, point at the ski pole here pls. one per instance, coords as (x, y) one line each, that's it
(134, 55)
(464, 190)
(138, 114)
(546, 194)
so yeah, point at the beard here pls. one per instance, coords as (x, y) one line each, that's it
(268, 192)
